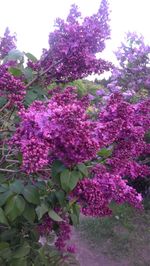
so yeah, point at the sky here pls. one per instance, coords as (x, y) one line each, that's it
(32, 20)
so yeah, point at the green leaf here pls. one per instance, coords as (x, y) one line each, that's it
(22, 251)
(3, 219)
(28, 73)
(18, 262)
(31, 194)
(74, 178)
(69, 179)
(57, 167)
(60, 195)
(4, 245)
(5, 250)
(2, 178)
(54, 216)
(65, 179)
(20, 157)
(35, 236)
(4, 197)
(42, 258)
(4, 188)
(34, 93)
(31, 57)
(76, 209)
(14, 55)
(14, 207)
(15, 71)
(30, 97)
(29, 213)
(74, 212)
(17, 186)
(41, 210)
(41, 185)
(74, 219)
(83, 169)
(105, 153)
(8, 235)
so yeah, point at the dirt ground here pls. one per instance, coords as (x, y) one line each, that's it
(123, 240)
(88, 257)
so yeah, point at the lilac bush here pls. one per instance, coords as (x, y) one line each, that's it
(132, 75)
(58, 158)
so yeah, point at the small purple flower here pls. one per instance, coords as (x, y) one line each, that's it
(100, 92)
(91, 97)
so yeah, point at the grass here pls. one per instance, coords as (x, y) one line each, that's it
(124, 236)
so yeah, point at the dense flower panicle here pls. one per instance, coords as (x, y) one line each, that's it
(143, 114)
(63, 232)
(122, 193)
(66, 134)
(89, 195)
(108, 131)
(58, 128)
(101, 92)
(124, 125)
(46, 227)
(55, 129)
(64, 97)
(34, 65)
(77, 41)
(133, 72)
(7, 43)
(128, 167)
(72, 16)
(10, 87)
(35, 152)
(95, 195)
(63, 236)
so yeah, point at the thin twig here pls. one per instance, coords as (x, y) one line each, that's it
(9, 170)
(42, 73)
(6, 130)
(10, 114)
(5, 106)
(42, 170)
(2, 160)
(147, 160)
(10, 165)
(12, 161)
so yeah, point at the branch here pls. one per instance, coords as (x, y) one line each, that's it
(43, 73)
(147, 160)
(9, 170)
(6, 130)
(12, 161)
(2, 160)
(5, 106)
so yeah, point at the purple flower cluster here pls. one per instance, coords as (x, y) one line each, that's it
(133, 72)
(7, 43)
(90, 196)
(124, 125)
(77, 41)
(10, 87)
(46, 227)
(62, 231)
(63, 236)
(59, 128)
(95, 195)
